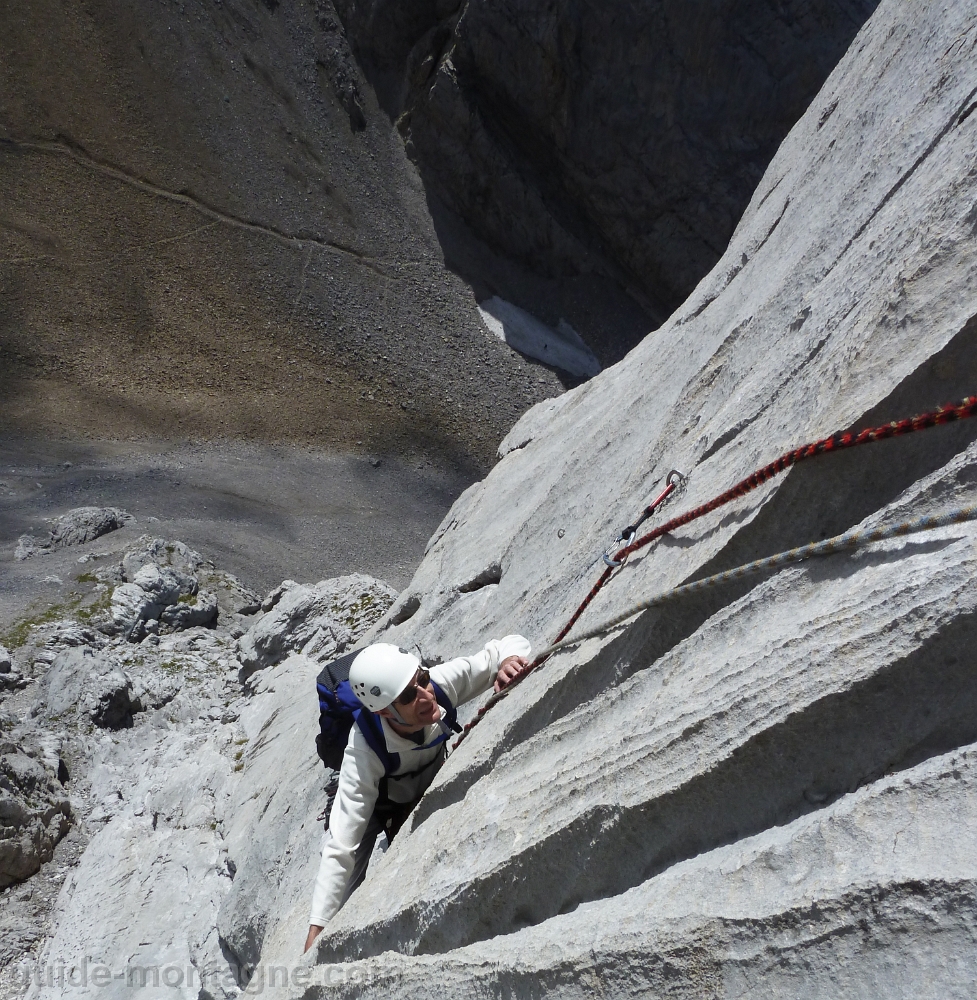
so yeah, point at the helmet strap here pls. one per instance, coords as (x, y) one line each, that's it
(392, 708)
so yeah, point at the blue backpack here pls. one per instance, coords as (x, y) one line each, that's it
(339, 709)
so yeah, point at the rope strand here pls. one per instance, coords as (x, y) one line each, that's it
(849, 541)
(835, 442)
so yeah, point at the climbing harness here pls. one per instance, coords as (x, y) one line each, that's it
(835, 442)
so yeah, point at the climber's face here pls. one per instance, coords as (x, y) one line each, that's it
(423, 708)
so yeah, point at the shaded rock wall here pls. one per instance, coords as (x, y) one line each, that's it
(607, 149)
(210, 229)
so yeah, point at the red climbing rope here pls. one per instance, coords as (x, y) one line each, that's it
(619, 557)
(836, 442)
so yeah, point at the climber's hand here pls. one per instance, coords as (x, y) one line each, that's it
(511, 668)
(314, 931)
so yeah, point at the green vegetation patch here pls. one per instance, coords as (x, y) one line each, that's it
(96, 609)
(366, 604)
(20, 632)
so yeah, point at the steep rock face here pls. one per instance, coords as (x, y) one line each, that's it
(810, 685)
(775, 914)
(846, 299)
(607, 149)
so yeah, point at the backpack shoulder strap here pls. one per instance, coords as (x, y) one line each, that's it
(371, 728)
(450, 712)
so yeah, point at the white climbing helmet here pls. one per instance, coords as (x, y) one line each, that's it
(380, 672)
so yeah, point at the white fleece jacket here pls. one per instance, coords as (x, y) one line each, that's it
(461, 679)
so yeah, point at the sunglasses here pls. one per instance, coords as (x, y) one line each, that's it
(421, 679)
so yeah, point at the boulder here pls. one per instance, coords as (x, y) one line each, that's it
(34, 813)
(73, 633)
(320, 620)
(109, 700)
(164, 585)
(130, 604)
(149, 551)
(77, 526)
(276, 594)
(160, 586)
(28, 545)
(87, 684)
(62, 635)
(202, 611)
(85, 524)
(233, 597)
(12, 680)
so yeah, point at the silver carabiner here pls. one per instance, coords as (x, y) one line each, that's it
(622, 541)
(676, 480)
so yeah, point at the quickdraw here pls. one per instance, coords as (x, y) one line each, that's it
(673, 481)
(847, 542)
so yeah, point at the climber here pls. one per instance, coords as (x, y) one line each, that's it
(413, 711)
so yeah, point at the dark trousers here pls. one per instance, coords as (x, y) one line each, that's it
(388, 817)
